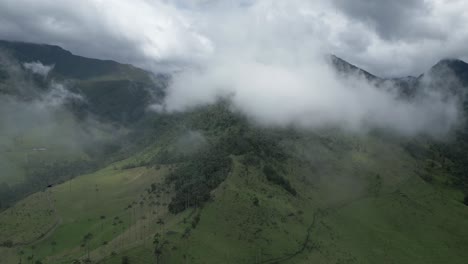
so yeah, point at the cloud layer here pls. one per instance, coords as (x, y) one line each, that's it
(385, 37)
(270, 61)
(268, 56)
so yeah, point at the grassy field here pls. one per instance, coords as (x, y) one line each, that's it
(28, 220)
(95, 204)
(359, 200)
(417, 223)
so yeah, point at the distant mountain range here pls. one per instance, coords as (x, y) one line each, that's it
(453, 70)
(131, 85)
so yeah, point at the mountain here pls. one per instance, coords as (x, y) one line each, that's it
(115, 92)
(347, 68)
(67, 65)
(450, 75)
(459, 68)
(77, 110)
(207, 185)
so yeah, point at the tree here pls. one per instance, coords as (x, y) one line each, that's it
(158, 245)
(195, 220)
(7, 243)
(86, 240)
(53, 244)
(465, 201)
(255, 201)
(21, 253)
(274, 177)
(125, 260)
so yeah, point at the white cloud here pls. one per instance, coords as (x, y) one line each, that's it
(138, 31)
(309, 96)
(267, 55)
(57, 95)
(385, 37)
(269, 60)
(38, 68)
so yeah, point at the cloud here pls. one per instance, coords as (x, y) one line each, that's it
(267, 56)
(137, 31)
(269, 63)
(34, 116)
(385, 37)
(310, 96)
(392, 20)
(190, 142)
(58, 95)
(405, 37)
(38, 68)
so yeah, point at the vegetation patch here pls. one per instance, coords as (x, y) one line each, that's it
(273, 177)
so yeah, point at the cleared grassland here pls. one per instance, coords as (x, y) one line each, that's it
(95, 204)
(359, 200)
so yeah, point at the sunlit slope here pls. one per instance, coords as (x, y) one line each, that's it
(52, 225)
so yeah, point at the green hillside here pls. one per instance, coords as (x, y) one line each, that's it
(106, 181)
(341, 199)
(67, 123)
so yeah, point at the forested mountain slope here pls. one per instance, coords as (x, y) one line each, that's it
(209, 185)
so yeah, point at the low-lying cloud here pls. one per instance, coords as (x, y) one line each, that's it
(32, 116)
(311, 96)
(273, 67)
(58, 95)
(38, 68)
(268, 57)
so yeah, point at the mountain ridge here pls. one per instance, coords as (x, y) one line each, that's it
(66, 63)
(28, 53)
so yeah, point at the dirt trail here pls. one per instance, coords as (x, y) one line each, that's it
(303, 245)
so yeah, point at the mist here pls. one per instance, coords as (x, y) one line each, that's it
(270, 61)
(38, 68)
(270, 58)
(36, 123)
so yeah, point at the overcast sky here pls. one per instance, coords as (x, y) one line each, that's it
(389, 38)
